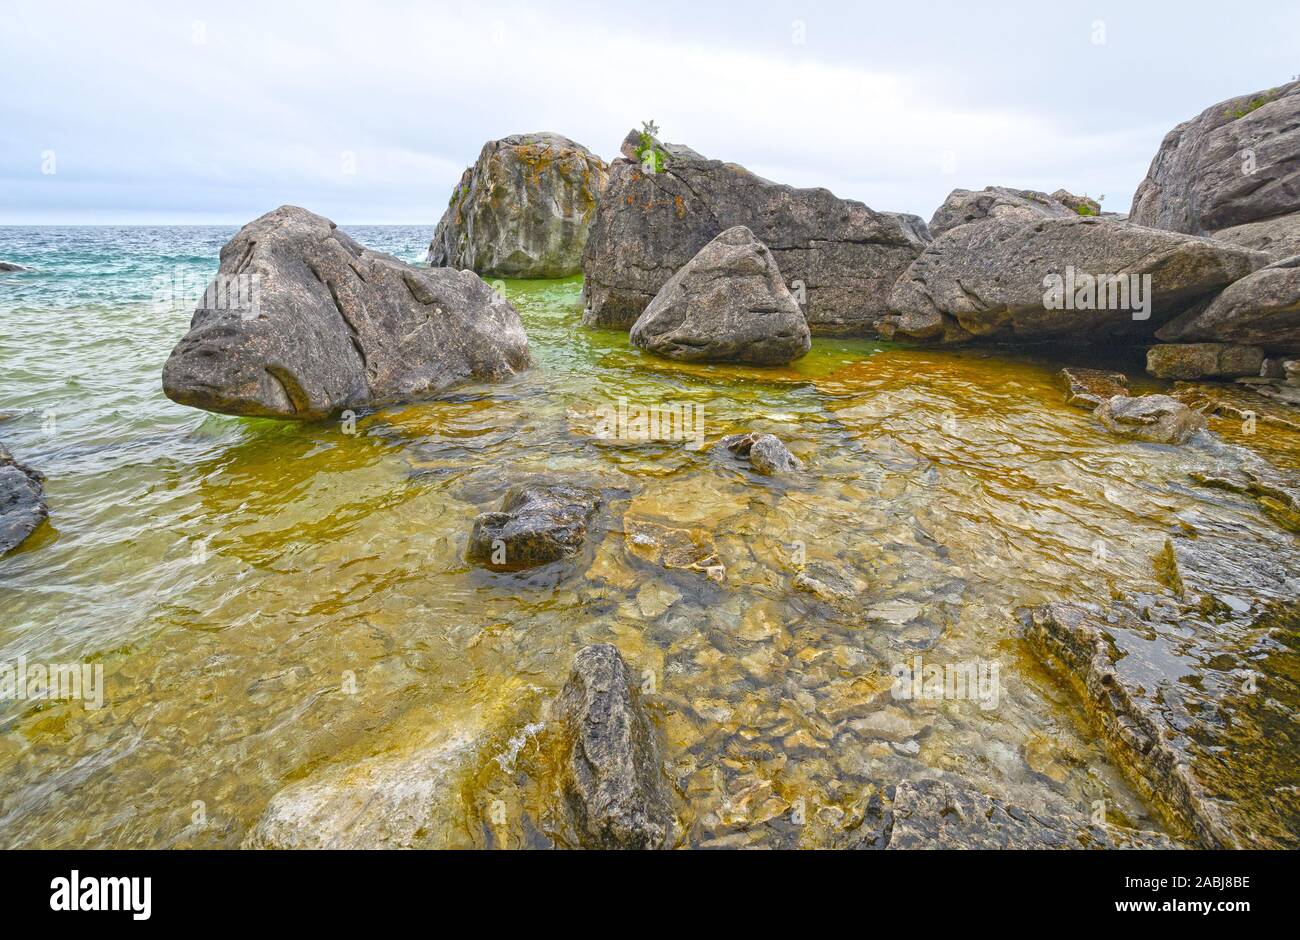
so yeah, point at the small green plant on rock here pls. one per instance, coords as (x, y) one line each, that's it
(1253, 105)
(653, 159)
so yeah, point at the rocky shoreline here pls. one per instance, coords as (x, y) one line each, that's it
(702, 262)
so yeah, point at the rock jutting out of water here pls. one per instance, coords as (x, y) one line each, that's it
(303, 323)
(522, 210)
(537, 524)
(841, 256)
(615, 792)
(765, 452)
(22, 501)
(1158, 419)
(989, 280)
(1088, 388)
(727, 304)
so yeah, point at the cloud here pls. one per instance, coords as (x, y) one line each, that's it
(369, 113)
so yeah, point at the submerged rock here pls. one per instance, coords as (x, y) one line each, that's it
(845, 256)
(727, 304)
(522, 210)
(1230, 170)
(1088, 388)
(672, 547)
(1070, 278)
(386, 802)
(537, 524)
(765, 452)
(302, 322)
(1240, 402)
(1207, 733)
(1263, 308)
(938, 814)
(996, 202)
(22, 501)
(615, 791)
(1155, 418)
(1203, 360)
(832, 585)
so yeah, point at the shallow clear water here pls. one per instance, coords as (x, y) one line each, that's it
(269, 599)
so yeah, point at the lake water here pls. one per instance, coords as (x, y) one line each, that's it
(269, 600)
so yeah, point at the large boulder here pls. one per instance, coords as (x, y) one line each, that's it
(727, 304)
(302, 322)
(522, 210)
(1077, 278)
(1157, 419)
(614, 788)
(1233, 171)
(22, 501)
(996, 202)
(537, 524)
(1263, 309)
(650, 224)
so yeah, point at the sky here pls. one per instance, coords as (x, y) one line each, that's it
(367, 112)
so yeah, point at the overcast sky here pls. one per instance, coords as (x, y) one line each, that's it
(369, 111)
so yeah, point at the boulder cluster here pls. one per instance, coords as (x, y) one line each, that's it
(702, 261)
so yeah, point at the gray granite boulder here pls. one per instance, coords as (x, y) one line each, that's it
(1261, 309)
(1157, 419)
(522, 210)
(22, 501)
(537, 524)
(964, 206)
(1233, 171)
(614, 788)
(1075, 278)
(765, 452)
(727, 304)
(302, 322)
(841, 256)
